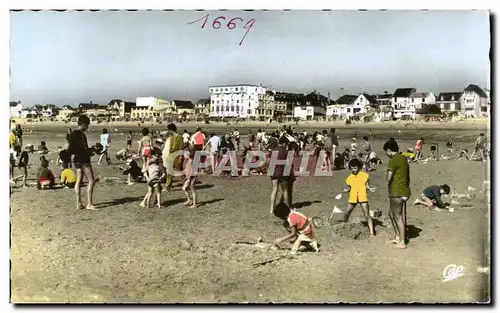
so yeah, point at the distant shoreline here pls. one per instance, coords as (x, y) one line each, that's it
(476, 124)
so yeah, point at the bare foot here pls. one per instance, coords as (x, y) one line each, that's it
(399, 246)
(142, 204)
(193, 206)
(80, 207)
(395, 240)
(159, 205)
(91, 208)
(188, 203)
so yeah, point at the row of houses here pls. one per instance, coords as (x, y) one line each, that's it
(256, 101)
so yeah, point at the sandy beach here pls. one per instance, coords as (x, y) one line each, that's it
(125, 253)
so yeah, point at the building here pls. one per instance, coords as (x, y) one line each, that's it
(313, 106)
(266, 106)
(202, 107)
(351, 106)
(474, 102)
(284, 102)
(125, 109)
(15, 109)
(98, 111)
(183, 108)
(422, 99)
(449, 101)
(151, 107)
(65, 113)
(384, 98)
(235, 100)
(402, 105)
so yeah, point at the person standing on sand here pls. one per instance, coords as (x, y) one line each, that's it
(105, 142)
(398, 179)
(78, 147)
(173, 144)
(332, 143)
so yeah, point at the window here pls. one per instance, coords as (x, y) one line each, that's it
(217, 89)
(484, 109)
(237, 108)
(213, 101)
(213, 109)
(217, 109)
(237, 101)
(225, 89)
(423, 100)
(227, 101)
(227, 108)
(232, 108)
(236, 88)
(249, 111)
(412, 100)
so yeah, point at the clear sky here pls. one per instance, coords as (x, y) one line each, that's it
(73, 57)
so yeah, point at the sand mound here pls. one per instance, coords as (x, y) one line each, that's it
(354, 230)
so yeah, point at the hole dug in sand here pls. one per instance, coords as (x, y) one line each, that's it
(351, 230)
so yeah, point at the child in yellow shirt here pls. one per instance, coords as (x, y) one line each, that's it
(357, 186)
(68, 177)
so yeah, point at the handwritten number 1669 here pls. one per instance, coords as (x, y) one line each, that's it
(216, 24)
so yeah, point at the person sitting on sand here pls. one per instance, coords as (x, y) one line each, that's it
(190, 180)
(45, 178)
(133, 172)
(433, 152)
(154, 177)
(68, 177)
(464, 154)
(410, 155)
(42, 148)
(300, 227)
(431, 196)
(358, 182)
(64, 157)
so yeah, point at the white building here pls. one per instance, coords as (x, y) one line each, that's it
(351, 105)
(401, 102)
(474, 102)
(422, 98)
(16, 109)
(235, 100)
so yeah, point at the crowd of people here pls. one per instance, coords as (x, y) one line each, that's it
(160, 157)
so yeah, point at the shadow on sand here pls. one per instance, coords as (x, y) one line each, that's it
(119, 201)
(202, 203)
(412, 231)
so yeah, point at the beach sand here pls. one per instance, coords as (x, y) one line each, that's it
(125, 253)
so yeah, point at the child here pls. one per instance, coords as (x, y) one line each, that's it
(300, 227)
(431, 196)
(68, 177)
(105, 142)
(347, 157)
(64, 157)
(479, 148)
(128, 140)
(145, 147)
(45, 177)
(433, 154)
(449, 147)
(409, 155)
(23, 165)
(464, 154)
(133, 172)
(155, 173)
(354, 147)
(190, 181)
(358, 183)
(42, 148)
(418, 148)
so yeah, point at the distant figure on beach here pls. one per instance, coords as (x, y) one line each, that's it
(79, 148)
(105, 142)
(128, 141)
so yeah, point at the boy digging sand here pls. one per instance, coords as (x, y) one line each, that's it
(358, 184)
(431, 196)
(300, 227)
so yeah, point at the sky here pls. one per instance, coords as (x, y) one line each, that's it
(65, 58)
